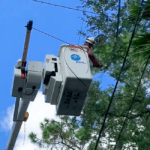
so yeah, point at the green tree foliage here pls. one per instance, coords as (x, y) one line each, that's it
(112, 25)
(64, 134)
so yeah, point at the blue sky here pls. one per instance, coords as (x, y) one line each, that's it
(14, 15)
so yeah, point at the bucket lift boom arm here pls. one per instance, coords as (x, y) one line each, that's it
(25, 87)
(66, 81)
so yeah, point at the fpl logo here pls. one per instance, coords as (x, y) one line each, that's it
(76, 58)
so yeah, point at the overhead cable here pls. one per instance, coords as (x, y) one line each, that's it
(126, 118)
(124, 61)
(118, 19)
(64, 7)
(51, 36)
(80, 33)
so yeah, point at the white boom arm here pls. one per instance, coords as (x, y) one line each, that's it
(66, 81)
(27, 91)
(17, 125)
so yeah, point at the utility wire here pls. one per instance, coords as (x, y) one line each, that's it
(126, 118)
(64, 6)
(81, 29)
(80, 34)
(118, 21)
(132, 36)
(51, 36)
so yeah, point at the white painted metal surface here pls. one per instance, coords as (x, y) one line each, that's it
(17, 125)
(26, 89)
(17, 82)
(77, 78)
(53, 89)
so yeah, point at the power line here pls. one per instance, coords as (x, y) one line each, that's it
(51, 36)
(118, 19)
(132, 36)
(126, 118)
(80, 34)
(64, 7)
